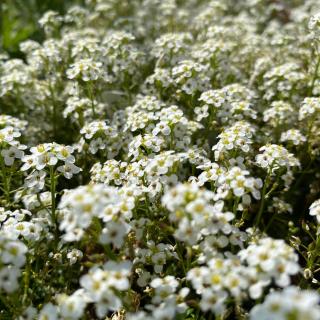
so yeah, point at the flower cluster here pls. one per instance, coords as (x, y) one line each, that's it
(12, 258)
(80, 206)
(46, 159)
(102, 285)
(195, 215)
(274, 259)
(291, 303)
(10, 131)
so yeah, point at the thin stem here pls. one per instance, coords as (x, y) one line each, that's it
(54, 110)
(6, 180)
(315, 74)
(53, 203)
(270, 222)
(171, 137)
(179, 252)
(26, 282)
(315, 253)
(263, 197)
(111, 255)
(91, 96)
(235, 205)
(43, 206)
(274, 187)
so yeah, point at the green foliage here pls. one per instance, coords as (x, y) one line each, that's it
(19, 20)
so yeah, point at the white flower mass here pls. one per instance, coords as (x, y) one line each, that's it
(160, 160)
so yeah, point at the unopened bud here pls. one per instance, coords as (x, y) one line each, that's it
(307, 273)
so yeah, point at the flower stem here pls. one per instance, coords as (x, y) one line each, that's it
(90, 90)
(5, 181)
(315, 74)
(263, 197)
(26, 282)
(53, 204)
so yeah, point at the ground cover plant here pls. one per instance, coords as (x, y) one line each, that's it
(159, 159)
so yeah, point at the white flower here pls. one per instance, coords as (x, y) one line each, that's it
(294, 136)
(48, 312)
(14, 253)
(310, 107)
(74, 255)
(86, 69)
(238, 137)
(29, 162)
(93, 284)
(68, 170)
(72, 307)
(274, 258)
(213, 301)
(119, 273)
(10, 154)
(9, 276)
(102, 285)
(275, 156)
(36, 180)
(315, 209)
(64, 153)
(109, 302)
(45, 159)
(114, 233)
(291, 302)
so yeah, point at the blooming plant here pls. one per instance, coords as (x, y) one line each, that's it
(160, 159)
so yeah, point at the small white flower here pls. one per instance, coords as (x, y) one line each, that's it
(48, 312)
(10, 154)
(68, 170)
(36, 180)
(315, 209)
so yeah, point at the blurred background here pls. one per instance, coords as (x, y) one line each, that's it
(19, 20)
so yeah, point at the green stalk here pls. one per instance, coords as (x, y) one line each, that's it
(5, 180)
(111, 255)
(315, 253)
(263, 197)
(90, 90)
(315, 74)
(53, 203)
(171, 138)
(235, 205)
(270, 222)
(26, 280)
(54, 110)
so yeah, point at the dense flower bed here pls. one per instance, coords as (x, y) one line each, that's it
(159, 159)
